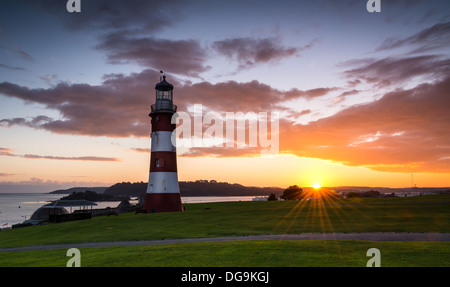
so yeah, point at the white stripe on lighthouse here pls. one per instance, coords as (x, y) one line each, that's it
(162, 141)
(163, 182)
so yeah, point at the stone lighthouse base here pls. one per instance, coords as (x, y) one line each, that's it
(163, 202)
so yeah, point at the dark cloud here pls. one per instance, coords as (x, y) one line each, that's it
(405, 130)
(310, 94)
(119, 107)
(398, 70)
(79, 158)
(49, 78)
(22, 54)
(294, 116)
(15, 121)
(10, 152)
(112, 15)
(126, 32)
(251, 96)
(435, 37)
(11, 67)
(188, 57)
(33, 123)
(184, 57)
(250, 51)
(348, 93)
(344, 95)
(13, 53)
(232, 96)
(6, 151)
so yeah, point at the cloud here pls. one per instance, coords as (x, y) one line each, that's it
(310, 94)
(126, 32)
(435, 37)
(113, 15)
(344, 95)
(35, 122)
(11, 67)
(393, 70)
(16, 51)
(304, 112)
(24, 55)
(6, 174)
(78, 158)
(405, 130)
(183, 57)
(48, 78)
(119, 107)
(249, 52)
(246, 97)
(10, 152)
(232, 96)
(141, 150)
(6, 151)
(223, 152)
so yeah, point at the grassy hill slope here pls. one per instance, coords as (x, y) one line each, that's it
(415, 214)
(418, 214)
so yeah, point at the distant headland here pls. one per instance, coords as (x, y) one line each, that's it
(79, 189)
(187, 188)
(215, 188)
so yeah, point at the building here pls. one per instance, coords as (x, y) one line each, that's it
(163, 192)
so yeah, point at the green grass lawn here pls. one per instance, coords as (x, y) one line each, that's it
(258, 253)
(418, 214)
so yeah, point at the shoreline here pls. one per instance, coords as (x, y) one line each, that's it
(21, 206)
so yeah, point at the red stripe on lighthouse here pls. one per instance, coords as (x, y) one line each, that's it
(163, 161)
(162, 122)
(163, 202)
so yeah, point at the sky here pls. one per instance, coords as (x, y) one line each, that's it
(361, 98)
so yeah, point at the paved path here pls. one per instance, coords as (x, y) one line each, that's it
(376, 236)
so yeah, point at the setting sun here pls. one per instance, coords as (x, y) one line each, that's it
(316, 186)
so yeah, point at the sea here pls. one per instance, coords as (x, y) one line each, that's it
(18, 207)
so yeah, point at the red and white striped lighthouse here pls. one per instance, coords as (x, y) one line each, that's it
(163, 192)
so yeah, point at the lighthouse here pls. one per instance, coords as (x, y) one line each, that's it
(163, 192)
